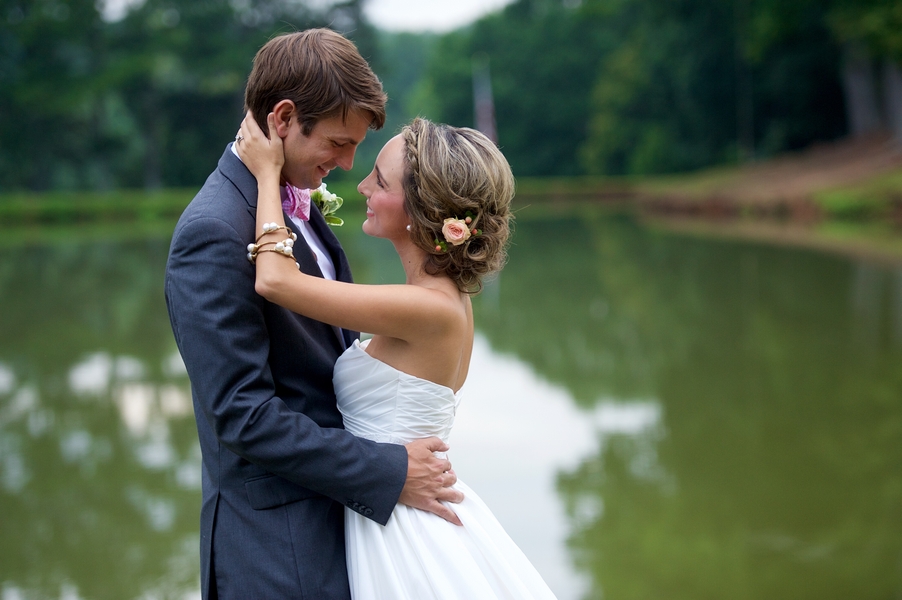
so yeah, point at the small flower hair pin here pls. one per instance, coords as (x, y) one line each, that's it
(328, 203)
(456, 232)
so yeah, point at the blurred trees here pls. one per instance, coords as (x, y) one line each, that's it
(580, 86)
(544, 57)
(148, 100)
(871, 32)
(50, 55)
(647, 86)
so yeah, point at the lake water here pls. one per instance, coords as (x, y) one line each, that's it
(650, 415)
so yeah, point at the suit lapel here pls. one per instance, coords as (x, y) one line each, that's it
(303, 253)
(324, 231)
(306, 258)
(339, 260)
(244, 181)
(236, 172)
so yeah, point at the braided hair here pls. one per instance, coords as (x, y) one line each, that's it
(451, 172)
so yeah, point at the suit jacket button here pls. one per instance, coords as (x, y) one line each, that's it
(367, 512)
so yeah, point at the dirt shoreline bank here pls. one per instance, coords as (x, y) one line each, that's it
(844, 197)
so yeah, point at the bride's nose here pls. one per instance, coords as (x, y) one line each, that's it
(362, 186)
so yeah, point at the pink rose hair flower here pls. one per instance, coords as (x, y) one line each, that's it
(456, 231)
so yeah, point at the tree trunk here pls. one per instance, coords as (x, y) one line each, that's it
(745, 106)
(483, 102)
(153, 146)
(859, 83)
(892, 98)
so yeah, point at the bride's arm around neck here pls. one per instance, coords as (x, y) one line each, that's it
(428, 307)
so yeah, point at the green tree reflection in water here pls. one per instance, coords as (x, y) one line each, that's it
(774, 470)
(763, 385)
(99, 472)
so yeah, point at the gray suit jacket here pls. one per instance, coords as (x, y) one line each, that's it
(278, 467)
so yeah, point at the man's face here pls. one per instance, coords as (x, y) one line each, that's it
(332, 143)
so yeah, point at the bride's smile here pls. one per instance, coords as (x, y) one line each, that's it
(385, 215)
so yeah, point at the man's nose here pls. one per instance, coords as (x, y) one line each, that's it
(345, 158)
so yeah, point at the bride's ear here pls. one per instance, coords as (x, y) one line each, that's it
(284, 112)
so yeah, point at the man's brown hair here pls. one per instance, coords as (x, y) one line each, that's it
(319, 70)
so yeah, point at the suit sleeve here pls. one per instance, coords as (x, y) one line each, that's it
(220, 329)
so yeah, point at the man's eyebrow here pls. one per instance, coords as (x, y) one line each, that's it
(344, 140)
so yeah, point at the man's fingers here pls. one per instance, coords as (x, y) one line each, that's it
(449, 478)
(271, 124)
(445, 513)
(450, 495)
(444, 466)
(434, 444)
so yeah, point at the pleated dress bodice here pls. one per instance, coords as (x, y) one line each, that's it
(382, 404)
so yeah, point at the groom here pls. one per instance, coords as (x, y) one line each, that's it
(278, 468)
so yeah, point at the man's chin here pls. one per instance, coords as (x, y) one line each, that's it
(317, 180)
(308, 184)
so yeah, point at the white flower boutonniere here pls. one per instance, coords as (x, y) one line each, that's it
(328, 203)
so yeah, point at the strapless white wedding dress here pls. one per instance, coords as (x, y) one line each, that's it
(418, 555)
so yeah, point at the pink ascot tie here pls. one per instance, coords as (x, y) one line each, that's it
(296, 202)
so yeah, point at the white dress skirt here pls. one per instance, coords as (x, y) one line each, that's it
(418, 555)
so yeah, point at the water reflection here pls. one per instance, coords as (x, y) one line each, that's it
(649, 415)
(772, 466)
(514, 431)
(99, 465)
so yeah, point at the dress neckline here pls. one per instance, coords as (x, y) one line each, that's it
(361, 347)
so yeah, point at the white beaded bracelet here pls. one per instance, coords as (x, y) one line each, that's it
(285, 248)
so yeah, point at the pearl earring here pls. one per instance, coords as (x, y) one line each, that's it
(408, 227)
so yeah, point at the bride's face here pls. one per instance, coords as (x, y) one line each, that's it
(385, 216)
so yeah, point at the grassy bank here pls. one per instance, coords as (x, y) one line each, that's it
(127, 206)
(849, 180)
(876, 198)
(27, 208)
(845, 196)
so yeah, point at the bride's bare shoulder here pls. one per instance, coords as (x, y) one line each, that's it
(446, 301)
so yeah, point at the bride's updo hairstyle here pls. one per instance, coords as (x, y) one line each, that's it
(455, 172)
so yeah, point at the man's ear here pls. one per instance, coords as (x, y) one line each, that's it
(284, 111)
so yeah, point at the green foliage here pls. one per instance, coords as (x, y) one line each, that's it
(591, 87)
(149, 100)
(877, 23)
(543, 56)
(400, 64)
(50, 53)
(692, 81)
(128, 206)
(879, 197)
(606, 87)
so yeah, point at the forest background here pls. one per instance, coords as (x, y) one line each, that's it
(581, 87)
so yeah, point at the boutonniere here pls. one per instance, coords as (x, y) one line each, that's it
(328, 203)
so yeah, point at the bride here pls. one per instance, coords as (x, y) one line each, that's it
(441, 195)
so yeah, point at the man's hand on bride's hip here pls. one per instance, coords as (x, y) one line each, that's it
(429, 479)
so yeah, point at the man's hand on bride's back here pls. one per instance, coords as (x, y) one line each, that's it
(429, 479)
(262, 155)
